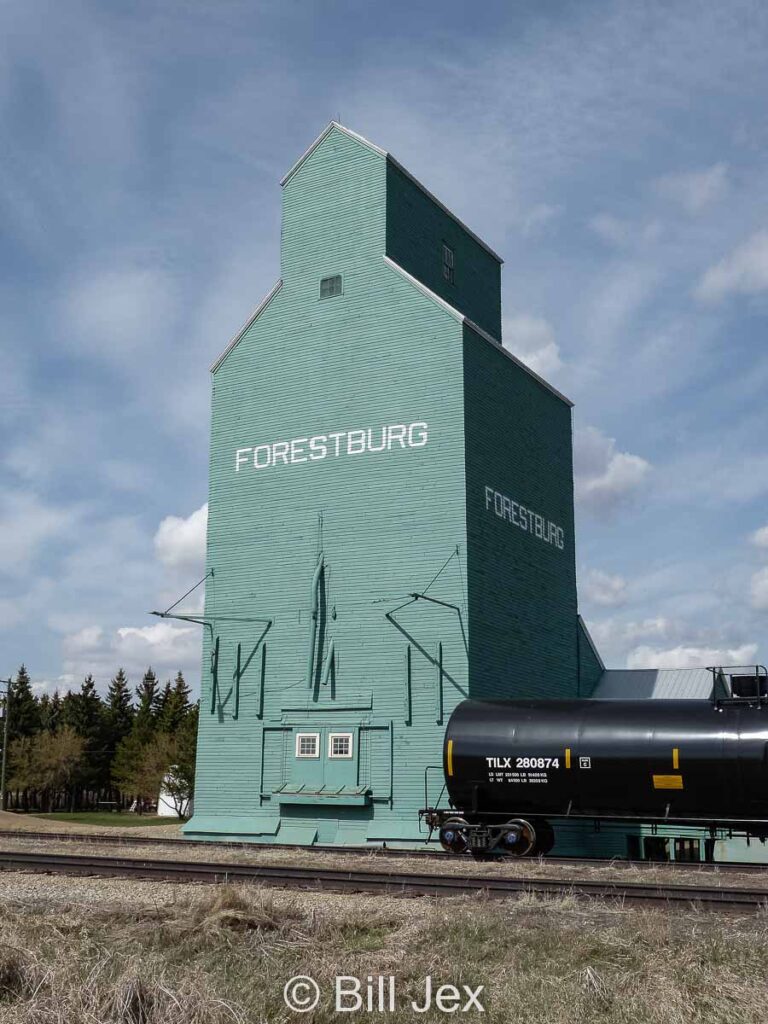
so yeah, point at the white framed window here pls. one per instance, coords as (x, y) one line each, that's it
(449, 264)
(340, 744)
(307, 744)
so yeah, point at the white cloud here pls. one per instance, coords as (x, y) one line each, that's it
(695, 190)
(180, 542)
(759, 589)
(614, 634)
(86, 639)
(603, 589)
(165, 646)
(532, 340)
(604, 477)
(743, 272)
(691, 657)
(760, 537)
(60, 683)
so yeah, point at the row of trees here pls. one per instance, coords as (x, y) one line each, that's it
(80, 750)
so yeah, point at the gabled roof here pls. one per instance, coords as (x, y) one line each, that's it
(465, 321)
(251, 320)
(321, 138)
(396, 163)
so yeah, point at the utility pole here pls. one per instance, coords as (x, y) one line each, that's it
(6, 707)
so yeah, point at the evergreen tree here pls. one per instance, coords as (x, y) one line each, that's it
(176, 706)
(54, 712)
(69, 711)
(83, 712)
(119, 710)
(146, 706)
(130, 748)
(44, 710)
(162, 703)
(23, 710)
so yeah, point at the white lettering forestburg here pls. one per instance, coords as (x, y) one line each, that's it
(524, 519)
(332, 445)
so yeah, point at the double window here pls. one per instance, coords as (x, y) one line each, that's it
(339, 745)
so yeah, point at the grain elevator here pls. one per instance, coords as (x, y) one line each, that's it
(390, 516)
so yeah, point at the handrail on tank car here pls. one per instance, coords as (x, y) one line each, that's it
(427, 770)
(742, 673)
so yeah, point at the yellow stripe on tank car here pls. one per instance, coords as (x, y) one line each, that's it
(567, 757)
(449, 757)
(675, 757)
(667, 781)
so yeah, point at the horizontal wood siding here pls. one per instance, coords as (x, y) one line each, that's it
(522, 591)
(416, 230)
(380, 354)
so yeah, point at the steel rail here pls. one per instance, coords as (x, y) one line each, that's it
(743, 867)
(389, 882)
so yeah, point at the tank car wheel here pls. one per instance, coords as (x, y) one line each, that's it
(517, 838)
(454, 835)
(545, 839)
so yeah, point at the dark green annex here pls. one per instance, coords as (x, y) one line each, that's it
(390, 518)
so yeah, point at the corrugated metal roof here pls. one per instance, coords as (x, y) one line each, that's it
(655, 684)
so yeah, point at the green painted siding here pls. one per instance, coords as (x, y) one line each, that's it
(416, 231)
(381, 354)
(313, 626)
(522, 589)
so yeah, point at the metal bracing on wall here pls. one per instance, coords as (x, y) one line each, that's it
(208, 622)
(215, 676)
(437, 659)
(408, 708)
(440, 684)
(315, 605)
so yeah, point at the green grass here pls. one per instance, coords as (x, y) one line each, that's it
(107, 818)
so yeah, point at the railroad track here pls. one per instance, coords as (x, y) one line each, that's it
(742, 867)
(381, 882)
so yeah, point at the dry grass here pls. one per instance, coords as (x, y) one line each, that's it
(212, 955)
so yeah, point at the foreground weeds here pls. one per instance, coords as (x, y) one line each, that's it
(224, 955)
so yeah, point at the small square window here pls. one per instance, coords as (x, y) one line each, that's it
(330, 286)
(307, 744)
(340, 744)
(449, 263)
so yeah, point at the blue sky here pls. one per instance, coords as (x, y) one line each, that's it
(614, 154)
